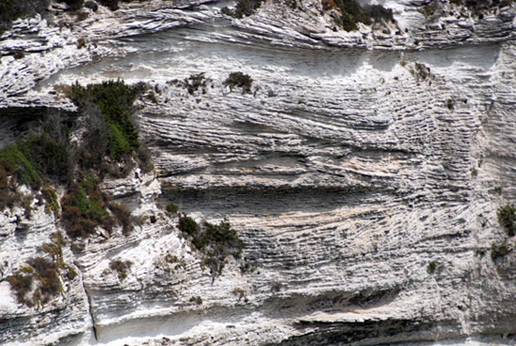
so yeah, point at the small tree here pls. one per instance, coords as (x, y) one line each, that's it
(507, 217)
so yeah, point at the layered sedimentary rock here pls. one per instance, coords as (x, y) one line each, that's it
(363, 170)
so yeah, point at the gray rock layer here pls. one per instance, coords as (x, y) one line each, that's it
(355, 160)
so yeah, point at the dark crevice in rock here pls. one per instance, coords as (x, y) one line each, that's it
(369, 332)
(90, 307)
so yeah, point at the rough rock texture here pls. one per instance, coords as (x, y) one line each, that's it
(355, 160)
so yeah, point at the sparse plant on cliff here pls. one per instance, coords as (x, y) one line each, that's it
(194, 82)
(84, 206)
(352, 13)
(52, 205)
(114, 129)
(187, 225)
(507, 217)
(499, 250)
(197, 300)
(110, 145)
(40, 281)
(239, 79)
(216, 242)
(35, 160)
(421, 72)
(172, 208)
(121, 267)
(431, 267)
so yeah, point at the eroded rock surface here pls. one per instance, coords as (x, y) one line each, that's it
(354, 161)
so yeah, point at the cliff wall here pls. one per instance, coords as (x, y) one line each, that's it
(363, 170)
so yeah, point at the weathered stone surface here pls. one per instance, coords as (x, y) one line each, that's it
(355, 160)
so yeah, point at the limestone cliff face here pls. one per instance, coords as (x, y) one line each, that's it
(354, 162)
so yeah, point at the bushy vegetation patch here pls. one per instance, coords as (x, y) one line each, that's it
(115, 132)
(188, 225)
(121, 267)
(507, 217)
(239, 79)
(35, 161)
(194, 82)
(499, 250)
(110, 146)
(243, 8)
(352, 13)
(49, 157)
(85, 207)
(197, 300)
(52, 205)
(18, 166)
(172, 208)
(216, 242)
(41, 280)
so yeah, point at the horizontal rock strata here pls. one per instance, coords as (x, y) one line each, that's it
(353, 162)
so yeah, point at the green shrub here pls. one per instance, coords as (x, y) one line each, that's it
(480, 252)
(8, 188)
(114, 100)
(35, 160)
(239, 79)
(55, 248)
(83, 207)
(187, 225)
(499, 251)
(48, 157)
(24, 171)
(197, 300)
(47, 273)
(172, 208)
(194, 82)
(110, 134)
(431, 268)
(121, 267)
(352, 13)
(216, 242)
(144, 159)
(507, 217)
(52, 205)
